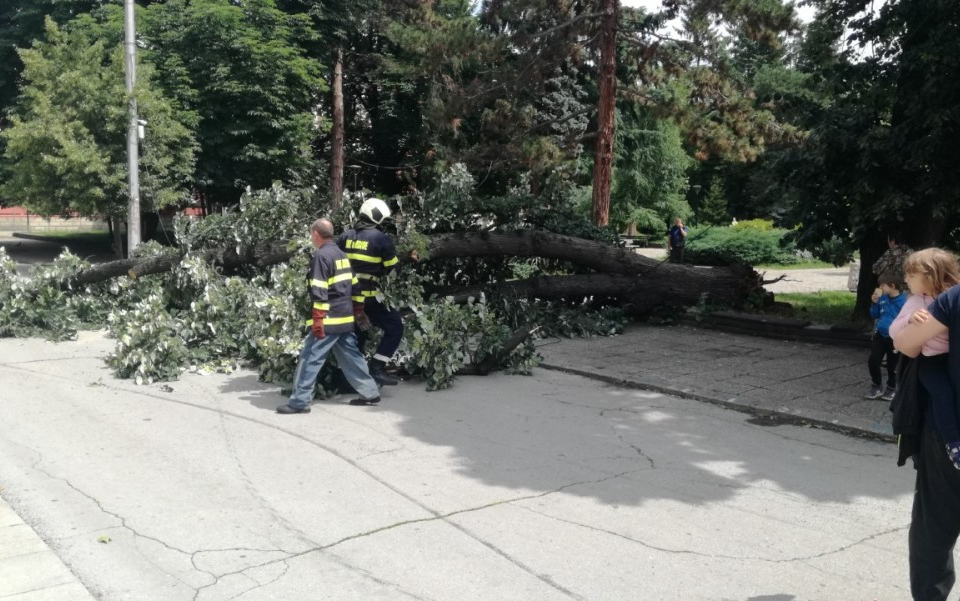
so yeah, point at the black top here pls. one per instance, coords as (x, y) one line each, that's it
(372, 255)
(333, 288)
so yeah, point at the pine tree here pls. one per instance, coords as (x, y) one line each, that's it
(713, 211)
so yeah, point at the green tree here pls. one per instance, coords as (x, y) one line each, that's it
(241, 68)
(66, 145)
(21, 22)
(650, 168)
(714, 211)
(881, 156)
(503, 89)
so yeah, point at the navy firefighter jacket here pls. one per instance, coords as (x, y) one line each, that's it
(371, 254)
(333, 288)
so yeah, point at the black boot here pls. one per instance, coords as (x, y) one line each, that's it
(378, 371)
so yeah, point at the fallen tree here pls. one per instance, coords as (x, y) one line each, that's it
(639, 282)
(233, 292)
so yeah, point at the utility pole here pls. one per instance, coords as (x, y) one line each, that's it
(133, 161)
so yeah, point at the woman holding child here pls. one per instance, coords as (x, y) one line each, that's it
(921, 330)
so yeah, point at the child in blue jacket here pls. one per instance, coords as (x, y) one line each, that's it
(887, 302)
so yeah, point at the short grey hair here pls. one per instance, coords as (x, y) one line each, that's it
(323, 227)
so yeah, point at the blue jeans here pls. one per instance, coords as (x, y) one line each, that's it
(314, 355)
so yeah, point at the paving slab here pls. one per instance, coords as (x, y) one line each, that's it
(29, 569)
(821, 384)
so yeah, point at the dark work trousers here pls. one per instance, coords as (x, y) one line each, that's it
(387, 320)
(882, 345)
(935, 523)
(676, 254)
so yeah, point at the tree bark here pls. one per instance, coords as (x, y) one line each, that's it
(600, 256)
(603, 161)
(638, 294)
(117, 238)
(640, 282)
(336, 162)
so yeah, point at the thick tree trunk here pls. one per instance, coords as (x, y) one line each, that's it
(336, 162)
(640, 282)
(117, 238)
(638, 294)
(532, 243)
(603, 161)
(261, 256)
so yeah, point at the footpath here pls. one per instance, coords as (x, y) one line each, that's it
(783, 381)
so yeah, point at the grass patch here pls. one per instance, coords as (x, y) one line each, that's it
(830, 307)
(801, 265)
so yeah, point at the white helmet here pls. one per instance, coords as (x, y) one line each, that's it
(375, 210)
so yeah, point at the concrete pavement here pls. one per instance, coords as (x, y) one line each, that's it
(29, 570)
(506, 487)
(791, 381)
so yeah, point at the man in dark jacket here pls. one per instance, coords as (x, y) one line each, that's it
(373, 256)
(677, 240)
(333, 291)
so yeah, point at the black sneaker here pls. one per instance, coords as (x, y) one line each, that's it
(373, 401)
(875, 392)
(888, 394)
(287, 409)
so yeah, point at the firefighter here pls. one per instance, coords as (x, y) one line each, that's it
(333, 292)
(372, 256)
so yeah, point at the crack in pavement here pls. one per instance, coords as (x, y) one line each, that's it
(49, 359)
(245, 477)
(801, 559)
(444, 518)
(118, 517)
(139, 535)
(413, 500)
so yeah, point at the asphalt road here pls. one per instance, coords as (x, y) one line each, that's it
(505, 487)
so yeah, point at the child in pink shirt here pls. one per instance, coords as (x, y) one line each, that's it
(928, 273)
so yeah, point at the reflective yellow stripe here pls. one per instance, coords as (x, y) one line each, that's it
(335, 321)
(392, 261)
(309, 322)
(364, 258)
(343, 277)
(322, 306)
(369, 292)
(355, 281)
(368, 276)
(318, 283)
(357, 299)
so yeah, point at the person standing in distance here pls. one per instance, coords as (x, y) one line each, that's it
(332, 288)
(676, 240)
(373, 256)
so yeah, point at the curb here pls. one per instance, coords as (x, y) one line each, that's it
(774, 416)
(29, 569)
(779, 328)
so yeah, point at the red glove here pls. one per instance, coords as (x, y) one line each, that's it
(360, 318)
(317, 326)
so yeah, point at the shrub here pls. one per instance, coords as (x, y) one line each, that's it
(727, 245)
(835, 251)
(760, 225)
